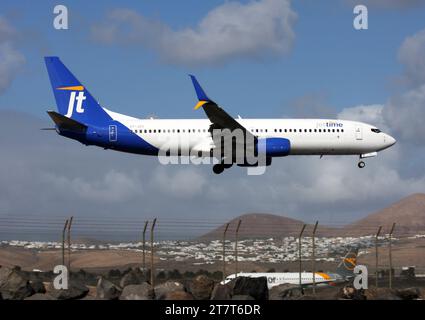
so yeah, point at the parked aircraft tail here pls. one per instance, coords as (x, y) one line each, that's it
(348, 263)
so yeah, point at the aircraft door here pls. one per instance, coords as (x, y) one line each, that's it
(359, 133)
(113, 133)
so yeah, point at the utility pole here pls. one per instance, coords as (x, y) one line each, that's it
(314, 257)
(390, 256)
(144, 247)
(152, 270)
(299, 253)
(69, 244)
(376, 255)
(236, 246)
(224, 251)
(63, 241)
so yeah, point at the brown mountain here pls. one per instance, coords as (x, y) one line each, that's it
(261, 225)
(408, 214)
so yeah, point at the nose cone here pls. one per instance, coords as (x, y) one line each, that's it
(389, 141)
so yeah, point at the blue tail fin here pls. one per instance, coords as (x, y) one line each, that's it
(73, 100)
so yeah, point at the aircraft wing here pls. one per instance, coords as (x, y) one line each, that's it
(221, 119)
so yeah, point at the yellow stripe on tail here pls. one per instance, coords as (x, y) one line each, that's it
(200, 104)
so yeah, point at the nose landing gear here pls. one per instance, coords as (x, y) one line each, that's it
(361, 164)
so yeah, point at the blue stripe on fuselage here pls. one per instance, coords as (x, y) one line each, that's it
(125, 140)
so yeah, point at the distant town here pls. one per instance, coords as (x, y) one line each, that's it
(270, 250)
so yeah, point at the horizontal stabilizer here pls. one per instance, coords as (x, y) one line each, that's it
(65, 123)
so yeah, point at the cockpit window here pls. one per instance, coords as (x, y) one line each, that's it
(376, 130)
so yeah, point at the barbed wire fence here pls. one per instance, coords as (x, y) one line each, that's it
(269, 241)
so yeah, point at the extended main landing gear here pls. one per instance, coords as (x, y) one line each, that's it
(219, 168)
(361, 164)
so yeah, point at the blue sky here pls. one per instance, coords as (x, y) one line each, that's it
(328, 58)
(287, 58)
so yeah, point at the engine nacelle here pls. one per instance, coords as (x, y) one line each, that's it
(274, 147)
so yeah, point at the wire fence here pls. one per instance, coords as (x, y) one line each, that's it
(259, 241)
(122, 228)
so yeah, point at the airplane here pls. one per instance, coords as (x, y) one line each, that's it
(344, 272)
(82, 118)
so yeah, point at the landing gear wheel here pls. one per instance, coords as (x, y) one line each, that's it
(361, 164)
(218, 168)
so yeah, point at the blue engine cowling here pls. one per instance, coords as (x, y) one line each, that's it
(274, 147)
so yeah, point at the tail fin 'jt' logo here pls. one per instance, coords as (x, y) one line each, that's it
(72, 97)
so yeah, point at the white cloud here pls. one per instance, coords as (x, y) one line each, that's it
(11, 60)
(311, 105)
(412, 55)
(406, 113)
(371, 114)
(111, 188)
(233, 30)
(179, 182)
(7, 32)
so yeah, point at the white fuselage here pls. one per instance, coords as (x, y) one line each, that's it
(306, 136)
(277, 278)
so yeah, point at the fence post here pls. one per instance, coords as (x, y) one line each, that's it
(63, 241)
(376, 255)
(299, 254)
(391, 257)
(152, 251)
(236, 247)
(69, 244)
(144, 247)
(224, 251)
(314, 257)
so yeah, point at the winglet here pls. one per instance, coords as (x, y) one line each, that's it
(202, 96)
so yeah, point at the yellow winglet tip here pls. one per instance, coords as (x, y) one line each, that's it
(72, 88)
(200, 104)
